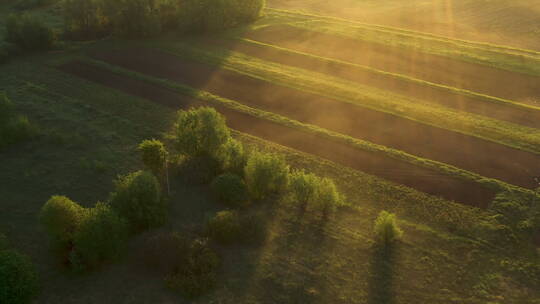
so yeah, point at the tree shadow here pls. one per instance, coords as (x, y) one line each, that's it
(382, 269)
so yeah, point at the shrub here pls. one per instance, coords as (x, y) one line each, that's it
(100, 237)
(231, 190)
(386, 228)
(29, 33)
(154, 156)
(265, 174)
(224, 227)
(137, 197)
(199, 169)
(18, 278)
(328, 198)
(136, 18)
(201, 132)
(61, 217)
(303, 187)
(199, 272)
(233, 157)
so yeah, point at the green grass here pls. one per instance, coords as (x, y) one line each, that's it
(507, 58)
(513, 135)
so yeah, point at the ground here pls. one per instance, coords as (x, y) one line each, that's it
(419, 125)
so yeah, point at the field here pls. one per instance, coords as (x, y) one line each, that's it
(428, 124)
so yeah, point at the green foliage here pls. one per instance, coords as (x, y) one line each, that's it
(83, 19)
(225, 227)
(233, 157)
(308, 188)
(13, 128)
(61, 218)
(201, 132)
(328, 197)
(100, 238)
(386, 228)
(199, 169)
(29, 33)
(154, 155)
(231, 190)
(198, 273)
(18, 278)
(266, 174)
(137, 197)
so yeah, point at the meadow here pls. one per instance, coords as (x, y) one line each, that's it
(441, 130)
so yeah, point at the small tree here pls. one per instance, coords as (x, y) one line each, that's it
(231, 190)
(328, 197)
(154, 156)
(61, 217)
(29, 33)
(266, 174)
(303, 187)
(200, 132)
(138, 198)
(225, 227)
(386, 228)
(18, 278)
(233, 157)
(100, 238)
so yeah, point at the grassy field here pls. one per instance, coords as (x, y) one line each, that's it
(94, 102)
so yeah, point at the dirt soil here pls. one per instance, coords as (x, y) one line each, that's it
(455, 101)
(471, 153)
(422, 179)
(432, 68)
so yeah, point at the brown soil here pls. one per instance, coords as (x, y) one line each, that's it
(422, 179)
(471, 153)
(432, 68)
(459, 102)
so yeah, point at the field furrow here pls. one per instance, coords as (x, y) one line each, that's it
(470, 153)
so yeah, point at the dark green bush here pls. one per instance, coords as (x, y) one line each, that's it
(199, 169)
(198, 275)
(137, 198)
(201, 132)
(386, 228)
(154, 156)
(18, 278)
(225, 227)
(61, 218)
(231, 190)
(99, 239)
(29, 33)
(84, 19)
(233, 157)
(13, 128)
(266, 174)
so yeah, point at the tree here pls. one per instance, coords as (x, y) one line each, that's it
(61, 217)
(303, 187)
(137, 197)
(18, 278)
(29, 33)
(266, 174)
(201, 132)
(154, 156)
(328, 197)
(231, 190)
(233, 157)
(100, 237)
(386, 228)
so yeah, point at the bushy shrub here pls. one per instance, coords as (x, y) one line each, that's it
(100, 237)
(154, 156)
(201, 132)
(303, 187)
(13, 128)
(231, 190)
(233, 157)
(328, 197)
(137, 198)
(198, 275)
(29, 33)
(386, 228)
(265, 174)
(136, 18)
(61, 218)
(165, 252)
(18, 278)
(199, 169)
(225, 227)
(84, 19)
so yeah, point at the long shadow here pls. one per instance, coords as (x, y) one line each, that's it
(382, 269)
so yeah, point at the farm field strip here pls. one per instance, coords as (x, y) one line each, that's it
(517, 60)
(413, 63)
(512, 135)
(301, 15)
(298, 136)
(483, 157)
(461, 100)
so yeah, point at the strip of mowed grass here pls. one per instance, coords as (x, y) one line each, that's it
(304, 260)
(446, 169)
(513, 135)
(508, 58)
